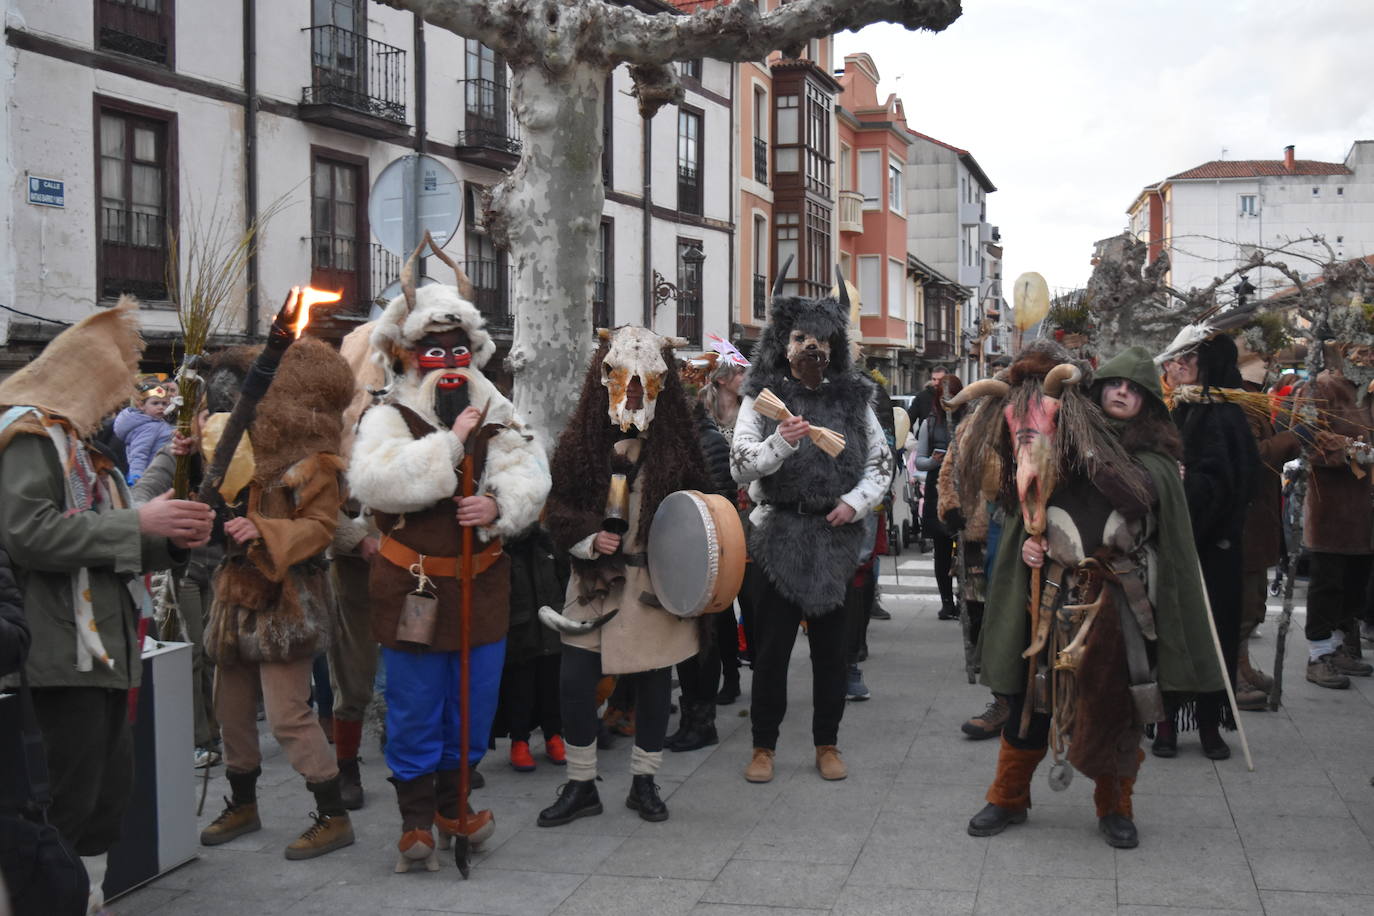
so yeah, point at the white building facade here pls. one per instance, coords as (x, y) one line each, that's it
(1211, 219)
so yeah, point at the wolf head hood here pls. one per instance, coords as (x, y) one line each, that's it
(825, 319)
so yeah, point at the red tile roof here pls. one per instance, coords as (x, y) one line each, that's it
(1256, 168)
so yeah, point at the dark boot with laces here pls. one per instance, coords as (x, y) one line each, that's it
(644, 798)
(576, 798)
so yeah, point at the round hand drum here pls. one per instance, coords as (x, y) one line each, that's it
(696, 553)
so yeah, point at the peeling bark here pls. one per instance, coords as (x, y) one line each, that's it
(546, 213)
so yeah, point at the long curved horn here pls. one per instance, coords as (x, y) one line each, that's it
(408, 275)
(842, 286)
(978, 389)
(464, 283)
(1062, 375)
(782, 276)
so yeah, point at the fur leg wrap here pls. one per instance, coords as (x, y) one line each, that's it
(581, 761)
(645, 763)
(1112, 794)
(1015, 766)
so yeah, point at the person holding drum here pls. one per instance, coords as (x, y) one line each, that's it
(629, 446)
(807, 532)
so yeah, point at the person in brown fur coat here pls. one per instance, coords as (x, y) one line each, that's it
(272, 609)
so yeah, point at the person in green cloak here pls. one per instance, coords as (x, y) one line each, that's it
(1120, 585)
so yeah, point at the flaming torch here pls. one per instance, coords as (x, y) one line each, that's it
(286, 327)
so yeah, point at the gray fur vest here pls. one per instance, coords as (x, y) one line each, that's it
(806, 558)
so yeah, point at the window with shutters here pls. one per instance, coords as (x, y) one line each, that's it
(136, 188)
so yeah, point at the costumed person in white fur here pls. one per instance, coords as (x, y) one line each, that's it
(440, 429)
(651, 439)
(807, 537)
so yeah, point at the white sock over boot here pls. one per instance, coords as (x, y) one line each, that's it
(645, 763)
(95, 870)
(1316, 648)
(581, 761)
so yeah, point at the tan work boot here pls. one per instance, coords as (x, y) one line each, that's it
(1253, 676)
(328, 833)
(760, 768)
(829, 763)
(1324, 674)
(988, 723)
(234, 821)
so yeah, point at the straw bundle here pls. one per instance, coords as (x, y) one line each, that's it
(772, 407)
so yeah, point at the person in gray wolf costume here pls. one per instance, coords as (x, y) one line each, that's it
(808, 533)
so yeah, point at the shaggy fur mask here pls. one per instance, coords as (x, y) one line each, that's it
(795, 327)
(635, 352)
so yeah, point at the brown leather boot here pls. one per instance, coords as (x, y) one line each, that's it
(760, 768)
(240, 814)
(829, 763)
(332, 829)
(415, 799)
(1249, 674)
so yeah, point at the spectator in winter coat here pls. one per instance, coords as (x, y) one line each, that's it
(142, 429)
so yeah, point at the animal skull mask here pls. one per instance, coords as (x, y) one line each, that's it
(635, 353)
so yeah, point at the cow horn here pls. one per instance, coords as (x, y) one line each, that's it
(675, 343)
(408, 276)
(843, 287)
(603, 333)
(979, 389)
(1064, 374)
(782, 277)
(464, 283)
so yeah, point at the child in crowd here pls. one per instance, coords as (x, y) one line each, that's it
(142, 429)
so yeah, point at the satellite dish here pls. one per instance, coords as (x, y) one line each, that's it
(1032, 300)
(393, 289)
(414, 195)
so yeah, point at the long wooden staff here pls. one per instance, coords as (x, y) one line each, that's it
(461, 850)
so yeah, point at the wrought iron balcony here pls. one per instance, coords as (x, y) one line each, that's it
(357, 83)
(688, 190)
(491, 136)
(133, 254)
(601, 304)
(491, 286)
(386, 270)
(760, 160)
(140, 28)
(760, 297)
(689, 315)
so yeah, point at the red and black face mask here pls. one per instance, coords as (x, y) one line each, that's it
(447, 350)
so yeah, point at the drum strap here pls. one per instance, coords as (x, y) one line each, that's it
(635, 559)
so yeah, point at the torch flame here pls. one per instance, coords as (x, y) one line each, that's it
(308, 298)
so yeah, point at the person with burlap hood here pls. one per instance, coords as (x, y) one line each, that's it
(1119, 577)
(272, 610)
(78, 545)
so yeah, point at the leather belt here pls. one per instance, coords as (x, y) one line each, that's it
(400, 555)
(800, 508)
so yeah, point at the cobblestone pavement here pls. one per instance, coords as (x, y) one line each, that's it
(1293, 837)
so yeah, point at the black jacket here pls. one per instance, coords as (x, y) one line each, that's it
(716, 451)
(14, 628)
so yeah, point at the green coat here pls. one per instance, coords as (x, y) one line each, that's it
(47, 548)
(1187, 660)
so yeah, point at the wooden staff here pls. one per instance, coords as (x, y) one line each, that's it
(461, 848)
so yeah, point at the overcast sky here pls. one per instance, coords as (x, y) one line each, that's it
(1072, 106)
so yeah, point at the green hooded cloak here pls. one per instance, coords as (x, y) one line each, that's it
(1187, 661)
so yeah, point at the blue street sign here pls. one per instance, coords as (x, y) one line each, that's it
(47, 193)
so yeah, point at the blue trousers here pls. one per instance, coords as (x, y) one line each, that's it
(422, 707)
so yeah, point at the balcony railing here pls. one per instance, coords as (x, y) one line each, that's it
(386, 270)
(851, 211)
(689, 315)
(760, 297)
(139, 28)
(491, 286)
(353, 71)
(334, 265)
(760, 160)
(939, 343)
(601, 304)
(489, 123)
(688, 189)
(916, 335)
(133, 254)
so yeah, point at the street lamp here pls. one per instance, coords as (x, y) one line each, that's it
(663, 290)
(1243, 290)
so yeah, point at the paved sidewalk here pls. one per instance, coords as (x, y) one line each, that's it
(1294, 837)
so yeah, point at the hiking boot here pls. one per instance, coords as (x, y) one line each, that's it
(521, 760)
(1324, 674)
(350, 784)
(328, 833)
(1166, 739)
(1250, 698)
(855, 688)
(576, 798)
(1119, 831)
(481, 825)
(233, 822)
(993, 819)
(760, 768)
(989, 723)
(556, 750)
(1249, 674)
(1347, 663)
(829, 763)
(644, 798)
